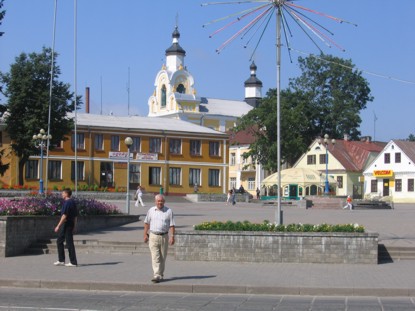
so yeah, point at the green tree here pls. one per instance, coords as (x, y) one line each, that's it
(411, 137)
(27, 88)
(325, 99)
(2, 13)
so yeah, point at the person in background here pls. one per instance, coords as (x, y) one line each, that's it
(229, 197)
(258, 192)
(348, 203)
(158, 223)
(195, 188)
(139, 195)
(65, 229)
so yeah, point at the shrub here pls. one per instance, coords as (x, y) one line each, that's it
(51, 205)
(270, 227)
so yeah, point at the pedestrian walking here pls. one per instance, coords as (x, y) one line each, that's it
(229, 197)
(158, 223)
(139, 196)
(258, 192)
(65, 229)
(233, 196)
(348, 203)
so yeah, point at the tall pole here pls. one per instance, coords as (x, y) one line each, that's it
(76, 95)
(278, 217)
(327, 187)
(128, 180)
(41, 167)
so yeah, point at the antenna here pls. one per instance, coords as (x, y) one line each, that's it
(128, 92)
(101, 93)
(374, 125)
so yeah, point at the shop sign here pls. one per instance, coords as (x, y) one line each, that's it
(383, 173)
(147, 156)
(119, 155)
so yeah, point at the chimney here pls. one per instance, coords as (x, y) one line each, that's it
(87, 99)
(346, 137)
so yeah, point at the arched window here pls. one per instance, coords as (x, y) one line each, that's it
(163, 96)
(181, 89)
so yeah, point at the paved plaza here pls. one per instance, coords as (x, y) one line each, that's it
(126, 272)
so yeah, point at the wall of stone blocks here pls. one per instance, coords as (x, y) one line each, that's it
(350, 248)
(18, 232)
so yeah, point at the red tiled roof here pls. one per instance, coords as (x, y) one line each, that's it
(353, 155)
(245, 137)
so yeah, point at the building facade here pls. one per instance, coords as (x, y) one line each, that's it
(170, 156)
(392, 173)
(344, 160)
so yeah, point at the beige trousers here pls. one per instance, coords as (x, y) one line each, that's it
(158, 245)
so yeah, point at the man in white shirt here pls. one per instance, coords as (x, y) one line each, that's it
(158, 223)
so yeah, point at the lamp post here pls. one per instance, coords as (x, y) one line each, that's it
(40, 140)
(325, 141)
(128, 142)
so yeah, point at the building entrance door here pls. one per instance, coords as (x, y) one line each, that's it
(106, 175)
(386, 187)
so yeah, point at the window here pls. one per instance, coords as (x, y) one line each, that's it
(213, 178)
(194, 177)
(195, 147)
(174, 176)
(135, 173)
(115, 143)
(155, 145)
(214, 148)
(99, 142)
(55, 170)
(397, 157)
(323, 159)
(373, 186)
(80, 141)
(251, 183)
(181, 89)
(135, 147)
(154, 178)
(233, 159)
(398, 185)
(163, 96)
(31, 169)
(175, 146)
(387, 158)
(311, 159)
(410, 185)
(340, 182)
(79, 171)
(232, 183)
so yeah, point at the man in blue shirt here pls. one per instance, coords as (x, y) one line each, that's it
(65, 229)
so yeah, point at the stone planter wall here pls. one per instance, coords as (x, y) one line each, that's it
(216, 197)
(18, 232)
(351, 248)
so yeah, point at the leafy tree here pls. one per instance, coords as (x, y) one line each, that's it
(326, 99)
(27, 88)
(2, 13)
(411, 137)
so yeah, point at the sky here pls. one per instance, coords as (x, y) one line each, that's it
(120, 46)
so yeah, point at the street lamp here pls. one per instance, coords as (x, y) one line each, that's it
(128, 142)
(325, 141)
(40, 140)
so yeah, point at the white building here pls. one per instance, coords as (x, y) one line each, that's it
(392, 174)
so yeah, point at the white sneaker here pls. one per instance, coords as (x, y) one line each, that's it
(59, 263)
(70, 265)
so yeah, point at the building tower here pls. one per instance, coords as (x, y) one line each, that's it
(253, 88)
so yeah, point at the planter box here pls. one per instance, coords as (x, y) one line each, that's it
(18, 232)
(295, 247)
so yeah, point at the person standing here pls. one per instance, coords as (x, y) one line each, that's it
(139, 195)
(157, 224)
(229, 197)
(65, 229)
(258, 192)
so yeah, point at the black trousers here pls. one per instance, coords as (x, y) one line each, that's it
(66, 234)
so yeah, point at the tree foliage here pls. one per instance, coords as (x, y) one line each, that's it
(325, 99)
(27, 88)
(2, 14)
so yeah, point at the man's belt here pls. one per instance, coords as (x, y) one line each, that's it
(159, 233)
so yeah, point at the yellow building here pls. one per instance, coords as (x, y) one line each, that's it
(172, 154)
